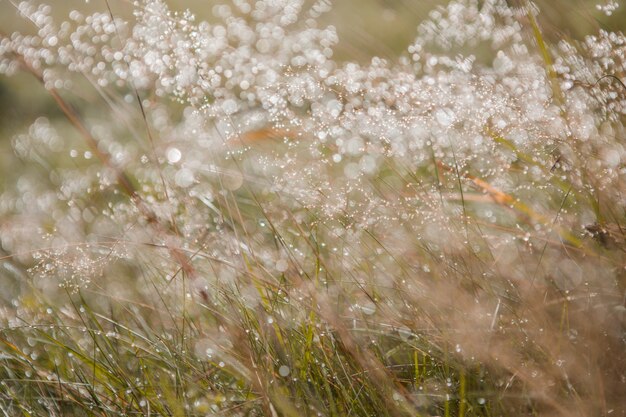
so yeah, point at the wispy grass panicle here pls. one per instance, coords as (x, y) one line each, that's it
(236, 222)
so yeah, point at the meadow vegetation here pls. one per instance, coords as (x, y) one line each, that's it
(221, 217)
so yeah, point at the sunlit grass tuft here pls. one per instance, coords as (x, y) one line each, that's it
(244, 226)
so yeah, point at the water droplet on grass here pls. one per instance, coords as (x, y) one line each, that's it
(173, 155)
(184, 178)
(284, 370)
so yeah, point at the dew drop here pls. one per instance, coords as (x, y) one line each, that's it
(184, 177)
(173, 155)
(284, 370)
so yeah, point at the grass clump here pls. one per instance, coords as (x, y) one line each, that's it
(236, 223)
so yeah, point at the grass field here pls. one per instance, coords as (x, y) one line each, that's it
(292, 208)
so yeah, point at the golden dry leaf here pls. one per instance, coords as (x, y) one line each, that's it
(264, 134)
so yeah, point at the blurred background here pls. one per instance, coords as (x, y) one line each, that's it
(366, 28)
